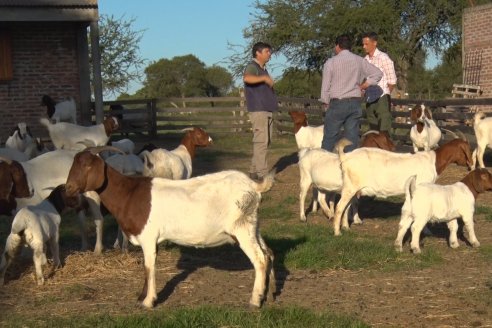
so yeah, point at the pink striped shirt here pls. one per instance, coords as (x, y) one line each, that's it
(382, 61)
(343, 74)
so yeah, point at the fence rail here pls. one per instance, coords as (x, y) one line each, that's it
(153, 118)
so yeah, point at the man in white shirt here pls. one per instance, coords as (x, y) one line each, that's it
(379, 111)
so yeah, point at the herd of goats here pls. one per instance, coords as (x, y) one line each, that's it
(153, 198)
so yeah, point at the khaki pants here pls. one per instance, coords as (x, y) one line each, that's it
(262, 123)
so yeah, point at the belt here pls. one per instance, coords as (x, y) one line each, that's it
(346, 99)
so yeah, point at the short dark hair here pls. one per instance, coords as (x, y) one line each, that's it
(344, 42)
(259, 46)
(371, 35)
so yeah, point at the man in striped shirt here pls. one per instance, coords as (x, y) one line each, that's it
(341, 90)
(379, 111)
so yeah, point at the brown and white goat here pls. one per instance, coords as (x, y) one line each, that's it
(429, 202)
(424, 133)
(205, 211)
(380, 173)
(378, 139)
(175, 164)
(306, 136)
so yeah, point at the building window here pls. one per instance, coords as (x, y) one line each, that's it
(6, 71)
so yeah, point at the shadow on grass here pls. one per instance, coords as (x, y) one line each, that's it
(228, 258)
(285, 162)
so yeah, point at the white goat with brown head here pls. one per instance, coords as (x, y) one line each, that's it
(186, 212)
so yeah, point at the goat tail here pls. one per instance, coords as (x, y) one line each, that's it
(340, 146)
(410, 186)
(478, 117)
(45, 122)
(267, 182)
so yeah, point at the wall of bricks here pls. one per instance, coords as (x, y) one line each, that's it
(45, 61)
(477, 34)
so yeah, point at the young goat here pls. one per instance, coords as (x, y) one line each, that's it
(20, 138)
(175, 164)
(76, 137)
(483, 133)
(322, 168)
(151, 210)
(377, 172)
(429, 202)
(425, 133)
(37, 226)
(306, 136)
(63, 111)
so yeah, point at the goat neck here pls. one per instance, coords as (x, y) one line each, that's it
(126, 198)
(110, 125)
(478, 181)
(455, 151)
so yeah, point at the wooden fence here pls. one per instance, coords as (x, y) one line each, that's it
(153, 118)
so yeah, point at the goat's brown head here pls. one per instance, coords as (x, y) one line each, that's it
(59, 198)
(86, 173)
(418, 112)
(299, 119)
(376, 139)
(13, 177)
(478, 181)
(13, 184)
(110, 124)
(198, 136)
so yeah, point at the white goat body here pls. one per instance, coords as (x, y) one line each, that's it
(306, 136)
(429, 202)
(175, 164)
(76, 137)
(181, 211)
(20, 138)
(13, 154)
(128, 164)
(321, 168)
(125, 145)
(483, 133)
(63, 111)
(309, 137)
(170, 164)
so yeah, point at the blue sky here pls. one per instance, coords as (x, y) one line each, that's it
(181, 27)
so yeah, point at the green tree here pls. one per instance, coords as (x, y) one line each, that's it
(184, 76)
(304, 31)
(121, 62)
(299, 83)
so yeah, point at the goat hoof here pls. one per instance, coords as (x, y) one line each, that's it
(476, 244)
(416, 250)
(454, 245)
(399, 249)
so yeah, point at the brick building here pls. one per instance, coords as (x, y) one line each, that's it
(44, 49)
(477, 37)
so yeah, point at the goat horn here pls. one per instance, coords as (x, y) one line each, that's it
(451, 133)
(98, 149)
(6, 160)
(187, 129)
(369, 132)
(462, 135)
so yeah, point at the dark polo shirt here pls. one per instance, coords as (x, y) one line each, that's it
(260, 97)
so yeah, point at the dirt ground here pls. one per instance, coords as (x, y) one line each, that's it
(456, 293)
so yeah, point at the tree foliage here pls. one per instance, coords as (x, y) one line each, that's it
(184, 76)
(121, 62)
(299, 83)
(304, 31)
